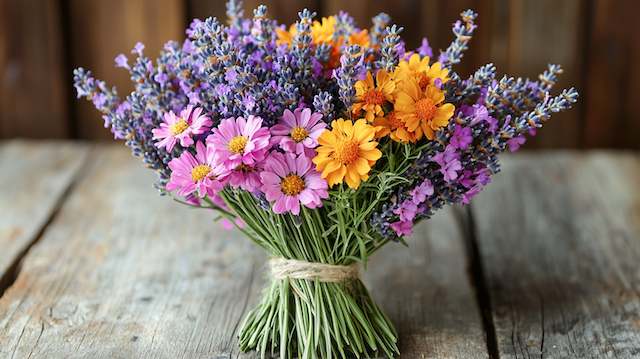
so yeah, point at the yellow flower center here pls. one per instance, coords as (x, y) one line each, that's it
(373, 97)
(425, 109)
(347, 151)
(292, 185)
(298, 134)
(236, 145)
(423, 80)
(199, 172)
(178, 127)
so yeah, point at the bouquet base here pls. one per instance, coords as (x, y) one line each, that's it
(304, 318)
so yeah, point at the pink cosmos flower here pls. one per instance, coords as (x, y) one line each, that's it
(196, 174)
(238, 141)
(181, 128)
(298, 131)
(246, 177)
(289, 180)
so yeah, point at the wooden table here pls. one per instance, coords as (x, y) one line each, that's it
(94, 264)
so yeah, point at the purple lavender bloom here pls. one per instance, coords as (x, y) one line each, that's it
(461, 138)
(422, 191)
(138, 49)
(122, 61)
(449, 161)
(516, 142)
(425, 49)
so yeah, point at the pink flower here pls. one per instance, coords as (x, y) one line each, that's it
(246, 177)
(402, 228)
(298, 131)
(407, 211)
(196, 174)
(181, 128)
(238, 141)
(289, 180)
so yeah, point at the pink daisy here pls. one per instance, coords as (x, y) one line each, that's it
(238, 141)
(196, 174)
(246, 177)
(181, 128)
(289, 180)
(298, 131)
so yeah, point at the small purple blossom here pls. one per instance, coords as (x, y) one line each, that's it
(461, 138)
(449, 161)
(122, 61)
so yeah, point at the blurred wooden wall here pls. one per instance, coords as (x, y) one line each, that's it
(596, 41)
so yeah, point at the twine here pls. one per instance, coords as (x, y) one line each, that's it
(291, 268)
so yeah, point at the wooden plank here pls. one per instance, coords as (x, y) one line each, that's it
(100, 30)
(123, 273)
(33, 82)
(612, 78)
(559, 238)
(34, 179)
(426, 291)
(549, 31)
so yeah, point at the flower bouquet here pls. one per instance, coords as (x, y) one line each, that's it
(321, 142)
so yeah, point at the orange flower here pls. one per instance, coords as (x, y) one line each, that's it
(422, 111)
(371, 97)
(347, 152)
(392, 126)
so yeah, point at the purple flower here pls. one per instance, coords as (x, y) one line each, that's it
(122, 61)
(402, 228)
(479, 113)
(461, 137)
(449, 161)
(515, 143)
(231, 76)
(425, 49)
(422, 191)
(138, 49)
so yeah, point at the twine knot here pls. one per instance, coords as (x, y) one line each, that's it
(292, 268)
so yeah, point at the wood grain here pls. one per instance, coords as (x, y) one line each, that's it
(33, 181)
(612, 78)
(33, 82)
(559, 237)
(100, 30)
(426, 291)
(124, 273)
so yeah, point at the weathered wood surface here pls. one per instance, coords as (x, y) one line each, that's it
(124, 273)
(559, 238)
(33, 181)
(426, 291)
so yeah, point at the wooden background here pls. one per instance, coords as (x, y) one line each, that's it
(597, 42)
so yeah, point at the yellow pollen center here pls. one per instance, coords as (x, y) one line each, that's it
(423, 80)
(236, 145)
(373, 97)
(425, 109)
(298, 134)
(347, 151)
(292, 185)
(178, 127)
(199, 172)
